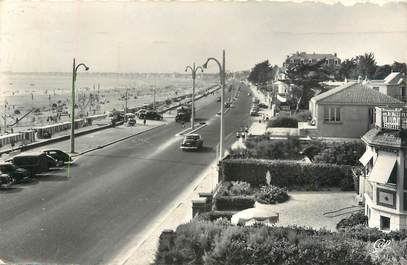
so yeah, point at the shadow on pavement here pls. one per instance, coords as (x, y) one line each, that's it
(27, 182)
(10, 190)
(207, 149)
(51, 177)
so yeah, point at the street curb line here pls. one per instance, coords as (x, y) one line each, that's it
(194, 130)
(118, 140)
(174, 205)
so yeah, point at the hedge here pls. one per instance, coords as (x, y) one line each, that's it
(214, 215)
(289, 174)
(201, 242)
(233, 203)
(284, 122)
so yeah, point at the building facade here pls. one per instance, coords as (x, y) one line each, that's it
(303, 57)
(393, 85)
(383, 184)
(347, 111)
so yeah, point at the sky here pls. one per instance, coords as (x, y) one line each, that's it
(131, 36)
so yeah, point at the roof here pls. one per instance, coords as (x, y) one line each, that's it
(393, 78)
(381, 137)
(356, 94)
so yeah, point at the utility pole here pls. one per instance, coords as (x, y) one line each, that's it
(193, 70)
(222, 101)
(154, 90)
(5, 116)
(125, 103)
(74, 70)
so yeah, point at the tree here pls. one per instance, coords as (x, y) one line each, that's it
(348, 69)
(261, 73)
(382, 71)
(366, 65)
(399, 67)
(304, 78)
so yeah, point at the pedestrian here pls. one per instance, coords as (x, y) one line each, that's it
(183, 124)
(144, 121)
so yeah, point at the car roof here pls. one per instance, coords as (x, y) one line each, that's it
(192, 134)
(29, 154)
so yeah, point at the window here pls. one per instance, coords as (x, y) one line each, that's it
(384, 223)
(371, 116)
(332, 114)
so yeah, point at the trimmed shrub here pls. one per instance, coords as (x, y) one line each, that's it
(285, 122)
(235, 188)
(364, 233)
(271, 194)
(264, 148)
(289, 174)
(240, 188)
(200, 243)
(347, 153)
(215, 215)
(354, 219)
(233, 203)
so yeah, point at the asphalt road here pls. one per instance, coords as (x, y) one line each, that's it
(86, 213)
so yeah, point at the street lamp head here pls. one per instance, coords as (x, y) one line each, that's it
(86, 68)
(205, 65)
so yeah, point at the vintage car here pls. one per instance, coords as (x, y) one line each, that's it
(192, 141)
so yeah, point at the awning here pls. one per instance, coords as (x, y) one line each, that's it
(281, 98)
(366, 157)
(383, 167)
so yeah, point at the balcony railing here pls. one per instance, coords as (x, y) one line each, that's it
(402, 98)
(391, 118)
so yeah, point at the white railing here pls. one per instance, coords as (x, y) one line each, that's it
(391, 118)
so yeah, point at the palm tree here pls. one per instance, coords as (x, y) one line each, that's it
(366, 65)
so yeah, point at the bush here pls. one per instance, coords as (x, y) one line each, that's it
(233, 203)
(289, 174)
(347, 153)
(285, 122)
(364, 233)
(200, 243)
(215, 215)
(354, 219)
(271, 194)
(240, 188)
(264, 148)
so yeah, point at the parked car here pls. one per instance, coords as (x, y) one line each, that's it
(254, 113)
(34, 163)
(131, 122)
(5, 180)
(12, 174)
(192, 142)
(227, 104)
(60, 156)
(151, 115)
(141, 112)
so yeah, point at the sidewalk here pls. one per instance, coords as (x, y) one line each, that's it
(100, 139)
(142, 250)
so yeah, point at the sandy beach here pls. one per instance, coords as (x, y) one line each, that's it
(48, 94)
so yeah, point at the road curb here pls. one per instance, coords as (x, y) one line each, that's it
(118, 140)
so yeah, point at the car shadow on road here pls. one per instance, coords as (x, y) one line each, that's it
(51, 177)
(207, 149)
(27, 182)
(10, 190)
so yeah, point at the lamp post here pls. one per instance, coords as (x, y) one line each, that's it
(74, 70)
(222, 100)
(193, 71)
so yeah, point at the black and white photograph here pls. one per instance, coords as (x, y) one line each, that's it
(203, 132)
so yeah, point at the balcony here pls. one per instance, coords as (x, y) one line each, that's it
(391, 118)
